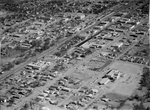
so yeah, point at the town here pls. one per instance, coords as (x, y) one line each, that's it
(74, 55)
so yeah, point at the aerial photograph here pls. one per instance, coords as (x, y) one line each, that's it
(74, 55)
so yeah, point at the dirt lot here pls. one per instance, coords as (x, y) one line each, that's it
(127, 84)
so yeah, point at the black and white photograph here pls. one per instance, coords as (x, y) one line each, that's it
(74, 55)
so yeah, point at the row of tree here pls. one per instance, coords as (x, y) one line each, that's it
(145, 82)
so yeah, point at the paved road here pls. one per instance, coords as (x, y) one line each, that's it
(141, 65)
(130, 47)
(92, 80)
(50, 50)
(37, 91)
(17, 68)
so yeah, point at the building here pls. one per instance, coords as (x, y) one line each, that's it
(81, 15)
(115, 74)
(104, 81)
(39, 65)
(104, 53)
(118, 44)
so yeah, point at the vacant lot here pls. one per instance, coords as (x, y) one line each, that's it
(128, 83)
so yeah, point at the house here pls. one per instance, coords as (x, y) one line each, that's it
(81, 15)
(66, 89)
(104, 53)
(45, 108)
(118, 44)
(25, 45)
(87, 44)
(95, 90)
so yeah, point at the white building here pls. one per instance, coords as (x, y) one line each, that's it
(39, 65)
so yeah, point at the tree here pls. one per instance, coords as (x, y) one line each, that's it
(139, 107)
(8, 66)
(16, 62)
(145, 78)
(30, 52)
(47, 44)
(146, 71)
(36, 43)
(33, 54)
(4, 68)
